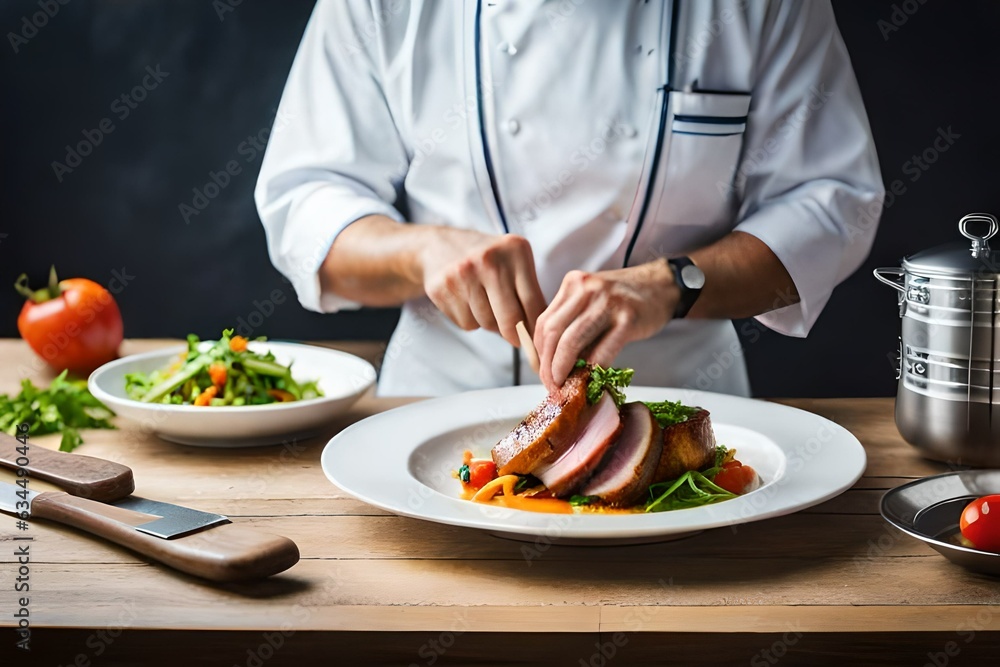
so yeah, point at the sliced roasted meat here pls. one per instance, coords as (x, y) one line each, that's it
(688, 445)
(548, 430)
(625, 474)
(599, 428)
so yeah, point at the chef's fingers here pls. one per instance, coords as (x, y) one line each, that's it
(610, 344)
(507, 310)
(482, 309)
(504, 302)
(453, 301)
(528, 290)
(550, 327)
(587, 328)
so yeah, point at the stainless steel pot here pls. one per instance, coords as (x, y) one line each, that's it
(948, 400)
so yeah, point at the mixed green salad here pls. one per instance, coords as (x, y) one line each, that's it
(227, 373)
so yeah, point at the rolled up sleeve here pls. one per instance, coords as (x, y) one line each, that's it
(812, 190)
(334, 154)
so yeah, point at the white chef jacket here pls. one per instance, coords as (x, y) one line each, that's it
(558, 121)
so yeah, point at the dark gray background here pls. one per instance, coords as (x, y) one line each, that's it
(119, 208)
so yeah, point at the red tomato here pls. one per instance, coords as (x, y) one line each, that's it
(72, 324)
(737, 478)
(481, 473)
(980, 523)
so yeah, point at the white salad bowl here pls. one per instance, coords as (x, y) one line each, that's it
(343, 378)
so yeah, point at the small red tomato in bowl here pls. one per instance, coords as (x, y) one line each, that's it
(980, 523)
(72, 324)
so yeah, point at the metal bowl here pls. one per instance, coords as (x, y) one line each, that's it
(929, 509)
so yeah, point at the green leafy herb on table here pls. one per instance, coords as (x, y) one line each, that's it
(227, 373)
(66, 406)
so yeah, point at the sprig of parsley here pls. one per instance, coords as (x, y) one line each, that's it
(611, 380)
(66, 406)
(668, 413)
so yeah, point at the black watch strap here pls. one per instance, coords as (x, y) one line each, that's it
(690, 280)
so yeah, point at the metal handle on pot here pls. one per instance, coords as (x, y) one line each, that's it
(980, 244)
(898, 284)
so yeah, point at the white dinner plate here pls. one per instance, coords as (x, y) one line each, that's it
(342, 377)
(402, 461)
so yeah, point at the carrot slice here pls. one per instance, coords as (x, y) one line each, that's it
(205, 397)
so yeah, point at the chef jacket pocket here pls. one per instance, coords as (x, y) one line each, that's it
(694, 201)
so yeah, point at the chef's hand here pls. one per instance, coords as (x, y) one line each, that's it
(482, 281)
(594, 315)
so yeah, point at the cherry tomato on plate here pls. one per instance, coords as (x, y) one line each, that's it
(980, 523)
(481, 473)
(737, 478)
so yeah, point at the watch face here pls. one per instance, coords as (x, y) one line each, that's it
(693, 277)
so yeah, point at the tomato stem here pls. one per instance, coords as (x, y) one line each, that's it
(54, 289)
(42, 295)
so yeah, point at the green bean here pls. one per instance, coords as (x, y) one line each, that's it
(189, 370)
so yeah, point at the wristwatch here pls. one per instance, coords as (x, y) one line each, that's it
(690, 279)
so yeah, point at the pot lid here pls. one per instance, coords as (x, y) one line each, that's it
(961, 258)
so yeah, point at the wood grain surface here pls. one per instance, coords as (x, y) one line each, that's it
(836, 573)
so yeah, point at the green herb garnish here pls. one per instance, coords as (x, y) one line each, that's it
(526, 482)
(463, 473)
(668, 413)
(578, 500)
(65, 406)
(722, 455)
(692, 489)
(611, 380)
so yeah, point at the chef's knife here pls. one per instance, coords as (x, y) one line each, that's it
(83, 476)
(97, 479)
(222, 553)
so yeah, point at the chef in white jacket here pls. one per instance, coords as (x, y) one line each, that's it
(625, 177)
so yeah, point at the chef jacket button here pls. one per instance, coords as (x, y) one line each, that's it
(507, 47)
(630, 131)
(513, 126)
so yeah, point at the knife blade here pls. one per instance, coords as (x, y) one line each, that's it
(224, 553)
(83, 476)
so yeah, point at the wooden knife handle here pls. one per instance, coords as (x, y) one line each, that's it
(221, 553)
(83, 476)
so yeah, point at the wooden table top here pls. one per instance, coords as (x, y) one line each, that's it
(837, 567)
